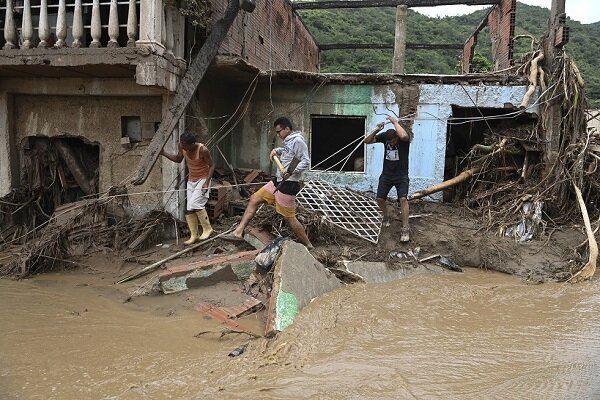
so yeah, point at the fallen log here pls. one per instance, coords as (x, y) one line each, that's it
(463, 176)
(185, 90)
(589, 269)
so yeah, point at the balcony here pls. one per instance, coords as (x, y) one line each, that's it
(114, 38)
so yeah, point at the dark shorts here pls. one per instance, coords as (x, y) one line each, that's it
(386, 184)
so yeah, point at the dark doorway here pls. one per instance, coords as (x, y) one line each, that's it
(331, 134)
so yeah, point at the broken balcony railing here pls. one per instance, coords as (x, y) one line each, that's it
(58, 23)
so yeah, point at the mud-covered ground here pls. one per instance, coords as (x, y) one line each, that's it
(454, 232)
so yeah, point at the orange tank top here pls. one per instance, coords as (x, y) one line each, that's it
(197, 167)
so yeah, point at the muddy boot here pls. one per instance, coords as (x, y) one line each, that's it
(386, 222)
(207, 230)
(192, 221)
(405, 234)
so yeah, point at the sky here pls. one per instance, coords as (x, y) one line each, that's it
(579, 10)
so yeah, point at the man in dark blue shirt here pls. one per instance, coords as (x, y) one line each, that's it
(395, 170)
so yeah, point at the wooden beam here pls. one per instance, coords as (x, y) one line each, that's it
(185, 90)
(330, 4)
(400, 41)
(423, 46)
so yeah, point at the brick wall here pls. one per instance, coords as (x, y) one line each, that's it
(501, 25)
(468, 52)
(272, 26)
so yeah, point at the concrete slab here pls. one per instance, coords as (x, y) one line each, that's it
(298, 278)
(187, 275)
(378, 272)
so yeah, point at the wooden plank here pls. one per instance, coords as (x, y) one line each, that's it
(330, 4)
(185, 91)
(223, 317)
(247, 306)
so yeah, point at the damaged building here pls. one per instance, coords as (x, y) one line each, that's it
(88, 85)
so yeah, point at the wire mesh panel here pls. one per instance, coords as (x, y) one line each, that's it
(344, 208)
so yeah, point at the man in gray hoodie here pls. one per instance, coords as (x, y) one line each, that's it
(284, 197)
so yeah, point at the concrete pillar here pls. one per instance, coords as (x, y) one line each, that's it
(400, 41)
(151, 24)
(8, 170)
(173, 174)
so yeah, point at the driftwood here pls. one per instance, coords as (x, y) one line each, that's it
(533, 72)
(77, 170)
(589, 269)
(463, 176)
(185, 90)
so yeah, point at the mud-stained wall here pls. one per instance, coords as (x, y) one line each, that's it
(426, 107)
(98, 120)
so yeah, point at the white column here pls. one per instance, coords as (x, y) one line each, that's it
(131, 24)
(27, 25)
(151, 23)
(113, 25)
(179, 35)
(96, 25)
(169, 40)
(77, 24)
(61, 24)
(10, 33)
(43, 28)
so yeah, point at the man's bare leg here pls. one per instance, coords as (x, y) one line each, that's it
(299, 231)
(253, 204)
(382, 203)
(405, 232)
(404, 209)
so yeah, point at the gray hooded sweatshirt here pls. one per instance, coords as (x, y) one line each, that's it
(293, 146)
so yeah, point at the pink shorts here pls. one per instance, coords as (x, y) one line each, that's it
(285, 204)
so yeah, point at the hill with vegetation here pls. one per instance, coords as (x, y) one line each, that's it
(376, 25)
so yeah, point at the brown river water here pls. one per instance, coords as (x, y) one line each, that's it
(465, 336)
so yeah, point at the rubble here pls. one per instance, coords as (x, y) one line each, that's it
(199, 272)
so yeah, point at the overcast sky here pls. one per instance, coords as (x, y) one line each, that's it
(579, 10)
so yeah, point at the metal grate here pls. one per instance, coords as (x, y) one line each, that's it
(344, 208)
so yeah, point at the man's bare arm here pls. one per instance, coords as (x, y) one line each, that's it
(175, 158)
(400, 131)
(371, 136)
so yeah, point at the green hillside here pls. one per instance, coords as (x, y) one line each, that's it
(376, 25)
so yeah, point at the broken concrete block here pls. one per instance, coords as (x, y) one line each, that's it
(298, 278)
(187, 275)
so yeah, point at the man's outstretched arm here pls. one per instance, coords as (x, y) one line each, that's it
(174, 157)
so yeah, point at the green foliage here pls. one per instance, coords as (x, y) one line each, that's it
(480, 63)
(376, 25)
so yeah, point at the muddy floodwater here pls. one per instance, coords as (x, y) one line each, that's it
(466, 336)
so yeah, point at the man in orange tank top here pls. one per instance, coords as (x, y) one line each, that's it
(200, 170)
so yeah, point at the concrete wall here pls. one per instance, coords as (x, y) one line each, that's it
(91, 108)
(271, 37)
(97, 119)
(431, 105)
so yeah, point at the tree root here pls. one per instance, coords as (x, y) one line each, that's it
(589, 269)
